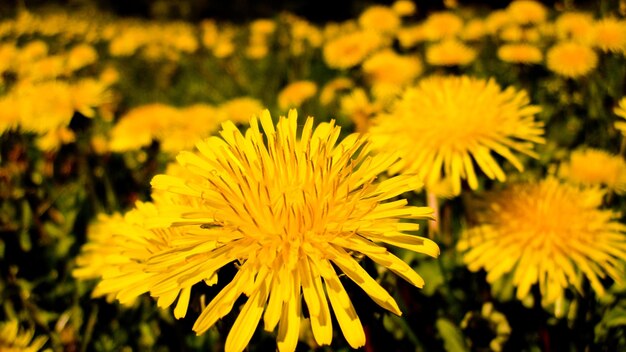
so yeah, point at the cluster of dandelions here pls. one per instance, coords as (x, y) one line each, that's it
(547, 233)
(288, 210)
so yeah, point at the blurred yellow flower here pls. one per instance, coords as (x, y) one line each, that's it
(54, 107)
(55, 138)
(442, 25)
(575, 26)
(445, 125)
(88, 94)
(257, 51)
(411, 36)
(351, 49)
(449, 52)
(262, 26)
(546, 233)
(527, 11)
(387, 67)
(80, 56)
(475, 29)
(520, 53)
(292, 212)
(239, 109)
(609, 35)
(571, 59)
(358, 107)
(14, 340)
(295, 93)
(329, 91)
(496, 20)
(379, 18)
(404, 7)
(620, 110)
(594, 167)
(139, 126)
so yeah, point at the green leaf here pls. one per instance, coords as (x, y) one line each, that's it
(452, 336)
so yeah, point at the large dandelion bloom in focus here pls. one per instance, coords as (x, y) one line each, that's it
(547, 233)
(289, 210)
(444, 125)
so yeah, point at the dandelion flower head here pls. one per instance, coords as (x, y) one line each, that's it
(576, 26)
(527, 11)
(570, 59)
(350, 49)
(450, 52)
(442, 25)
(380, 18)
(295, 93)
(446, 124)
(547, 233)
(287, 209)
(521, 53)
(404, 7)
(390, 68)
(610, 35)
(594, 167)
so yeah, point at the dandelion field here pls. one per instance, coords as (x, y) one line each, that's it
(402, 180)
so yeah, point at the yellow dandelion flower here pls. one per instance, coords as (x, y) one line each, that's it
(296, 93)
(496, 20)
(358, 107)
(571, 59)
(12, 340)
(88, 94)
(442, 25)
(450, 53)
(287, 210)
(209, 33)
(330, 89)
(54, 106)
(139, 126)
(379, 18)
(520, 53)
(620, 111)
(527, 11)
(34, 50)
(80, 56)
(547, 233)
(594, 167)
(512, 33)
(239, 109)
(262, 26)
(257, 51)
(54, 139)
(445, 125)
(390, 68)
(404, 7)
(411, 36)
(575, 26)
(116, 253)
(475, 29)
(351, 49)
(609, 35)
